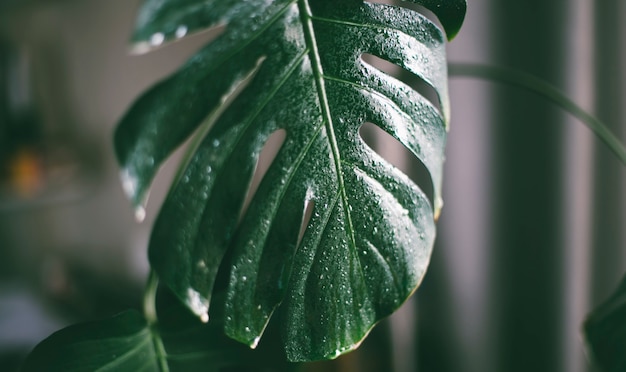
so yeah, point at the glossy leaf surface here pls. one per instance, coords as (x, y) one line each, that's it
(294, 66)
(122, 343)
(605, 331)
(126, 343)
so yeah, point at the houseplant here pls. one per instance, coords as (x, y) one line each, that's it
(334, 239)
(156, 38)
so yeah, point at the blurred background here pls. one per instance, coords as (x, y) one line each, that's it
(531, 237)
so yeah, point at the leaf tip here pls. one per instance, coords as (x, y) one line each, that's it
(140, 213)
(154, 41)
(455, 19)
(255, 342)
(198, 304)
(130, 186)
(129, 183)
(438, 207)
(139, 48)
(451, 13)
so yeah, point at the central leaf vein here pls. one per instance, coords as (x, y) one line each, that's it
(309, 34)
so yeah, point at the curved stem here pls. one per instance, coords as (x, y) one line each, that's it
(149, 310)
(536, 85)
(149, 299)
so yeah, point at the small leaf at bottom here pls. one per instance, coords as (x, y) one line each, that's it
(121, 343)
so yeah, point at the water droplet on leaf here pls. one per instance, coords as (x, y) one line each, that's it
(181, 31)
(157, 39)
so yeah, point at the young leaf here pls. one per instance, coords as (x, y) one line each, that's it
(294, 66)
(605, 331)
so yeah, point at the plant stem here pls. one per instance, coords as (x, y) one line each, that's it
(536, 85)
(149, 310)
(149, 299)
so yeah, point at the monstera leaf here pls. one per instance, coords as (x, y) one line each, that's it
(335, 237)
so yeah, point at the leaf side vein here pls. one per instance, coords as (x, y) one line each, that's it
(264, 103)
(128, 354)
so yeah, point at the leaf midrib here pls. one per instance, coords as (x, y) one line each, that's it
(306, 17)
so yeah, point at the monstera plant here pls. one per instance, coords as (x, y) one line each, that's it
(334, 238)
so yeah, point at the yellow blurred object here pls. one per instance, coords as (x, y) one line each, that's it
(26, 173)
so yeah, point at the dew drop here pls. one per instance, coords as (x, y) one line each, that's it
(204, 318)
(157, 39)
(244, 278)
(181, 31)
(247, 329)
(216, 142)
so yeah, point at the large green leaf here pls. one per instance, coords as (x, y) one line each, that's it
(605, 331)
(294, 66)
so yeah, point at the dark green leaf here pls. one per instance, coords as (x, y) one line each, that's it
(126, 343)
(194, 346)
(451, 13)
(605, 330)
(294, 66)
(122, 343)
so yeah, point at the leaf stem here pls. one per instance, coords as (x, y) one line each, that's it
(149, 311)
(536, 85)
(149, 299)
